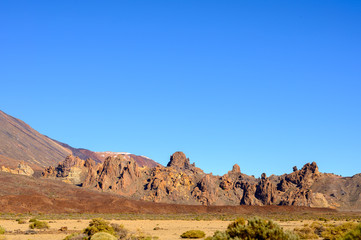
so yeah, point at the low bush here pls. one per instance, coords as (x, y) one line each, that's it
(39, 225)
(306, 232)
(193, 234)
(238, 221)
(318, 228)
(2, 230)
(354, 234)
(119, 230)
(99, 229)
(98, 225)
(325, 231)
(255, 229)
(76, 236)
(21, 221)
(103, 236)
(334, 232)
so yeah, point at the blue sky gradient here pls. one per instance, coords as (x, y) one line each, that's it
(265, 84)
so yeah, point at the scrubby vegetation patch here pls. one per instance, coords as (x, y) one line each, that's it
(39, 225)
(193, 234)
(254, 229)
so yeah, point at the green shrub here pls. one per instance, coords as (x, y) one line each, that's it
(238, 221)
(103, 236)
(334, 232)
(98, 225)
(255, 229)
(318, 228)
(2, 230)
(76, 236)
(39, 225)
(306, 232)
(32, 220)
(21, 221)
(193, 234)
(354, 234)
(119, 230)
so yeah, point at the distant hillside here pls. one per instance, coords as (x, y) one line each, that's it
(82, 153)
(20, 142)
(140, 160)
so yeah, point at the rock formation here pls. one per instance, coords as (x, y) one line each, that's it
(183, 183)
(73, 170)
(22, 169)
(180, 161)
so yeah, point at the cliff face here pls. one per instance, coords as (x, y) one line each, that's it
(183, 183)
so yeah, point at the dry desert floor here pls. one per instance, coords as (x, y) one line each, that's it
(165, 229)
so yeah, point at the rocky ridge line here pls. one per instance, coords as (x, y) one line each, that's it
(183, 183)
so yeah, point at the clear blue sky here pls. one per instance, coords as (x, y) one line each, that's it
(265, 84)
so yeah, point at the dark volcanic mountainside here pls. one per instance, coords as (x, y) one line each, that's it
(81, 152)
(183, 183)
(20, 142)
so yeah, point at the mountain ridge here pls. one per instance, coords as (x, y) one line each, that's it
(180, 182)
(183, 183)
(20, 142)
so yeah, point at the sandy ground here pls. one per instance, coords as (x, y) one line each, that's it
(168, 229)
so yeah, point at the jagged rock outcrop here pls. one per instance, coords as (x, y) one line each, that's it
(206, 190)
(182, 182)
(236, 169)
(226, 183)
(73, 170)
(265, 191)
(180, 161)
(22, 169)
(118, 175)
(249, 191)
(168, 185)
(304, 177)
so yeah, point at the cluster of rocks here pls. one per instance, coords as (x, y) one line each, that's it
(22, 169)
(183, 183)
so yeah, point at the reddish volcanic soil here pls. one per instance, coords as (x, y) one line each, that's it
(22, 194)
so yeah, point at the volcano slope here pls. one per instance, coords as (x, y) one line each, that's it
(21, 143)
(183, 183)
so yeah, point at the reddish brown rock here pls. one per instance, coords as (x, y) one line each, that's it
(305, 176)
(118, 175)
(168, 185)
(226, 183)
(249, 191)
(180, 161)
(206, 190)
(181, 182)
(265, 191)
(283, 185)
(22, 169)
(236, 169)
